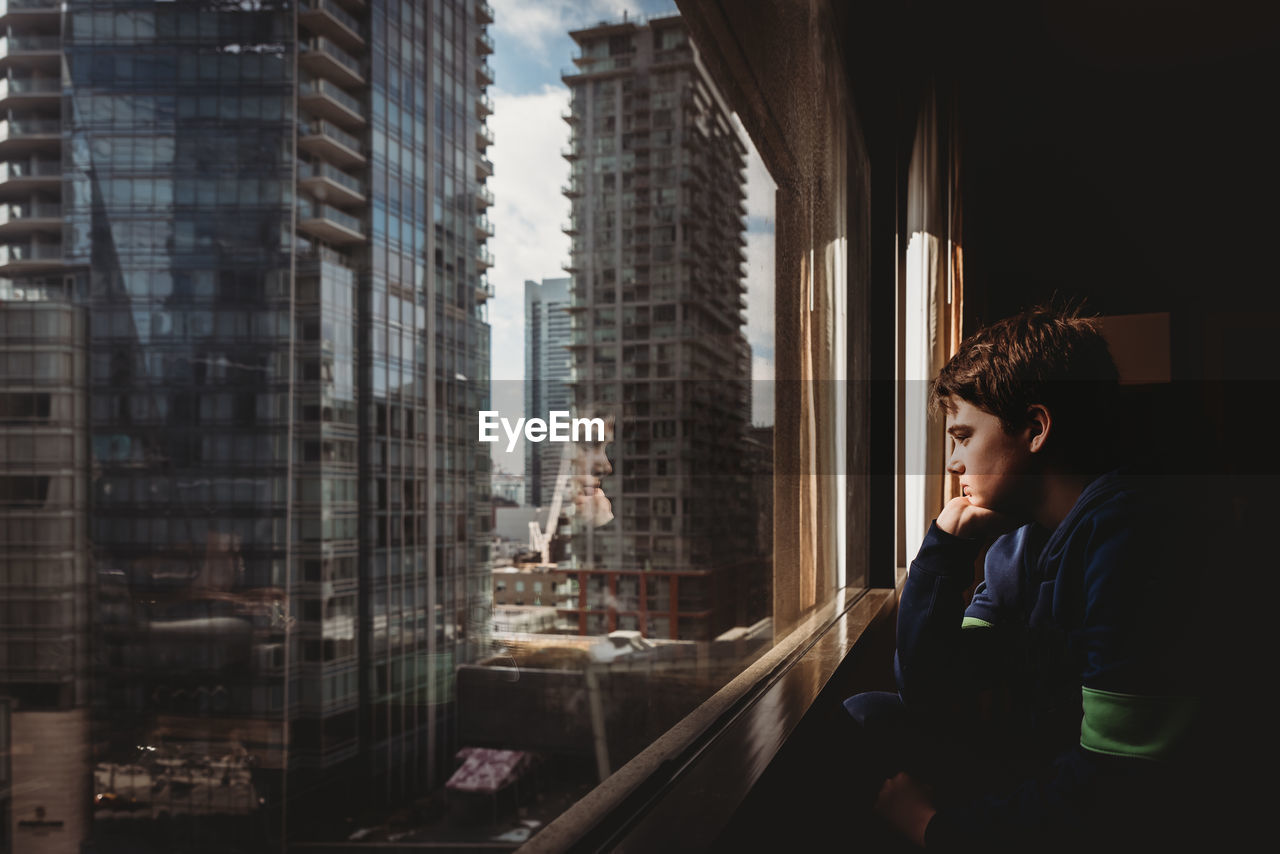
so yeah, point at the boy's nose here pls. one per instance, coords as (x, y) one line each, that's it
(954, 466)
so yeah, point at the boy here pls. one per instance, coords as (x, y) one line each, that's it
(1055, 711)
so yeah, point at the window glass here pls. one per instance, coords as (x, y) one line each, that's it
(243, 464)
(662, 326)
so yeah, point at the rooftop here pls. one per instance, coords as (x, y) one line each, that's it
(624, 24)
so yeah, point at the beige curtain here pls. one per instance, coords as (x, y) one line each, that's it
(931, 309)
(812, 259)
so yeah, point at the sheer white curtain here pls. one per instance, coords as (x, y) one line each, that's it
(930, 313)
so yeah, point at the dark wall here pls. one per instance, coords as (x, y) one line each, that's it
(1124, 160)
(1119, 157)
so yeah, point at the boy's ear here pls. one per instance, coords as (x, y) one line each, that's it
(1039, 423)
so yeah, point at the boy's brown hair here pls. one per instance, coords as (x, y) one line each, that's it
(1046, 355)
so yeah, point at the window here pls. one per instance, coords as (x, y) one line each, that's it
(295, 517)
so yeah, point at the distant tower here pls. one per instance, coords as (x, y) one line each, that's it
(546, 383)
(658, 194)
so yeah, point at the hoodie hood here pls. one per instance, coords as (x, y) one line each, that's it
(1101, 490)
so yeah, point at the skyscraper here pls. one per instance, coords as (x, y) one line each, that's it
(546, 377)
(658, 195)
(272, 216)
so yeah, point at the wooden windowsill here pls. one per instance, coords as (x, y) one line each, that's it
(683, 788)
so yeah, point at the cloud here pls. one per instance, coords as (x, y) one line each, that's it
(760, 290)
(762, 389)
(535, 25)
(760, 252)
(761, 189)
(529, 209)
(762, 368)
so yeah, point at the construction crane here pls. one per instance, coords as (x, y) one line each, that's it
(539, 540)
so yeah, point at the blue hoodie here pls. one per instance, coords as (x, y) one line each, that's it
(1086, 628)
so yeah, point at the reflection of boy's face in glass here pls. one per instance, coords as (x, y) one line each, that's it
(590, 463)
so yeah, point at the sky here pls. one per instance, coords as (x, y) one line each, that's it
(531, 48)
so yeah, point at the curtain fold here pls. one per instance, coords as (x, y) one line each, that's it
(933, 310)
(812, 270)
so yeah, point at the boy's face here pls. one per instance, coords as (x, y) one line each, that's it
(993, 466)
(590, 463)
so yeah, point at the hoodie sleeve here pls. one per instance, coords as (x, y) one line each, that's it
(943, 648)
(996, 600)
(1136, 722)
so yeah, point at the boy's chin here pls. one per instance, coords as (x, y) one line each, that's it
(1011, 510)
(593, 509)
(983, 504)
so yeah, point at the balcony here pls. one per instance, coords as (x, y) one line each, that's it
(484, 197)
(330, 184)
(484, 168)
(12, 11)
(484, 43)
(484, 259)
(323, 57)
(36, 51)
(484, 107)
(636, 122)
(327, 18)
(570, 153)
(24, 176)
(328, 223)
(681, 54)
(570, 116)
(28, 217)
(484, 74)
(325, 99)
(27, 91)
(22, 135)
(571, 227)
(484, 137)
(30, 257)
(484, 12)
(484, 290)
(484, 227)
(330, 142)
(595, 65)
(574, 189)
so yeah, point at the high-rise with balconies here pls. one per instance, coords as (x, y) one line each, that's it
(658, 196)
(271, 217)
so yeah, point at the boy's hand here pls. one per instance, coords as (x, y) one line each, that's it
(961, 518)
(906, 804)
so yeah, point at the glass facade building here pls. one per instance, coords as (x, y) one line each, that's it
(266, 225)
(546, 381)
